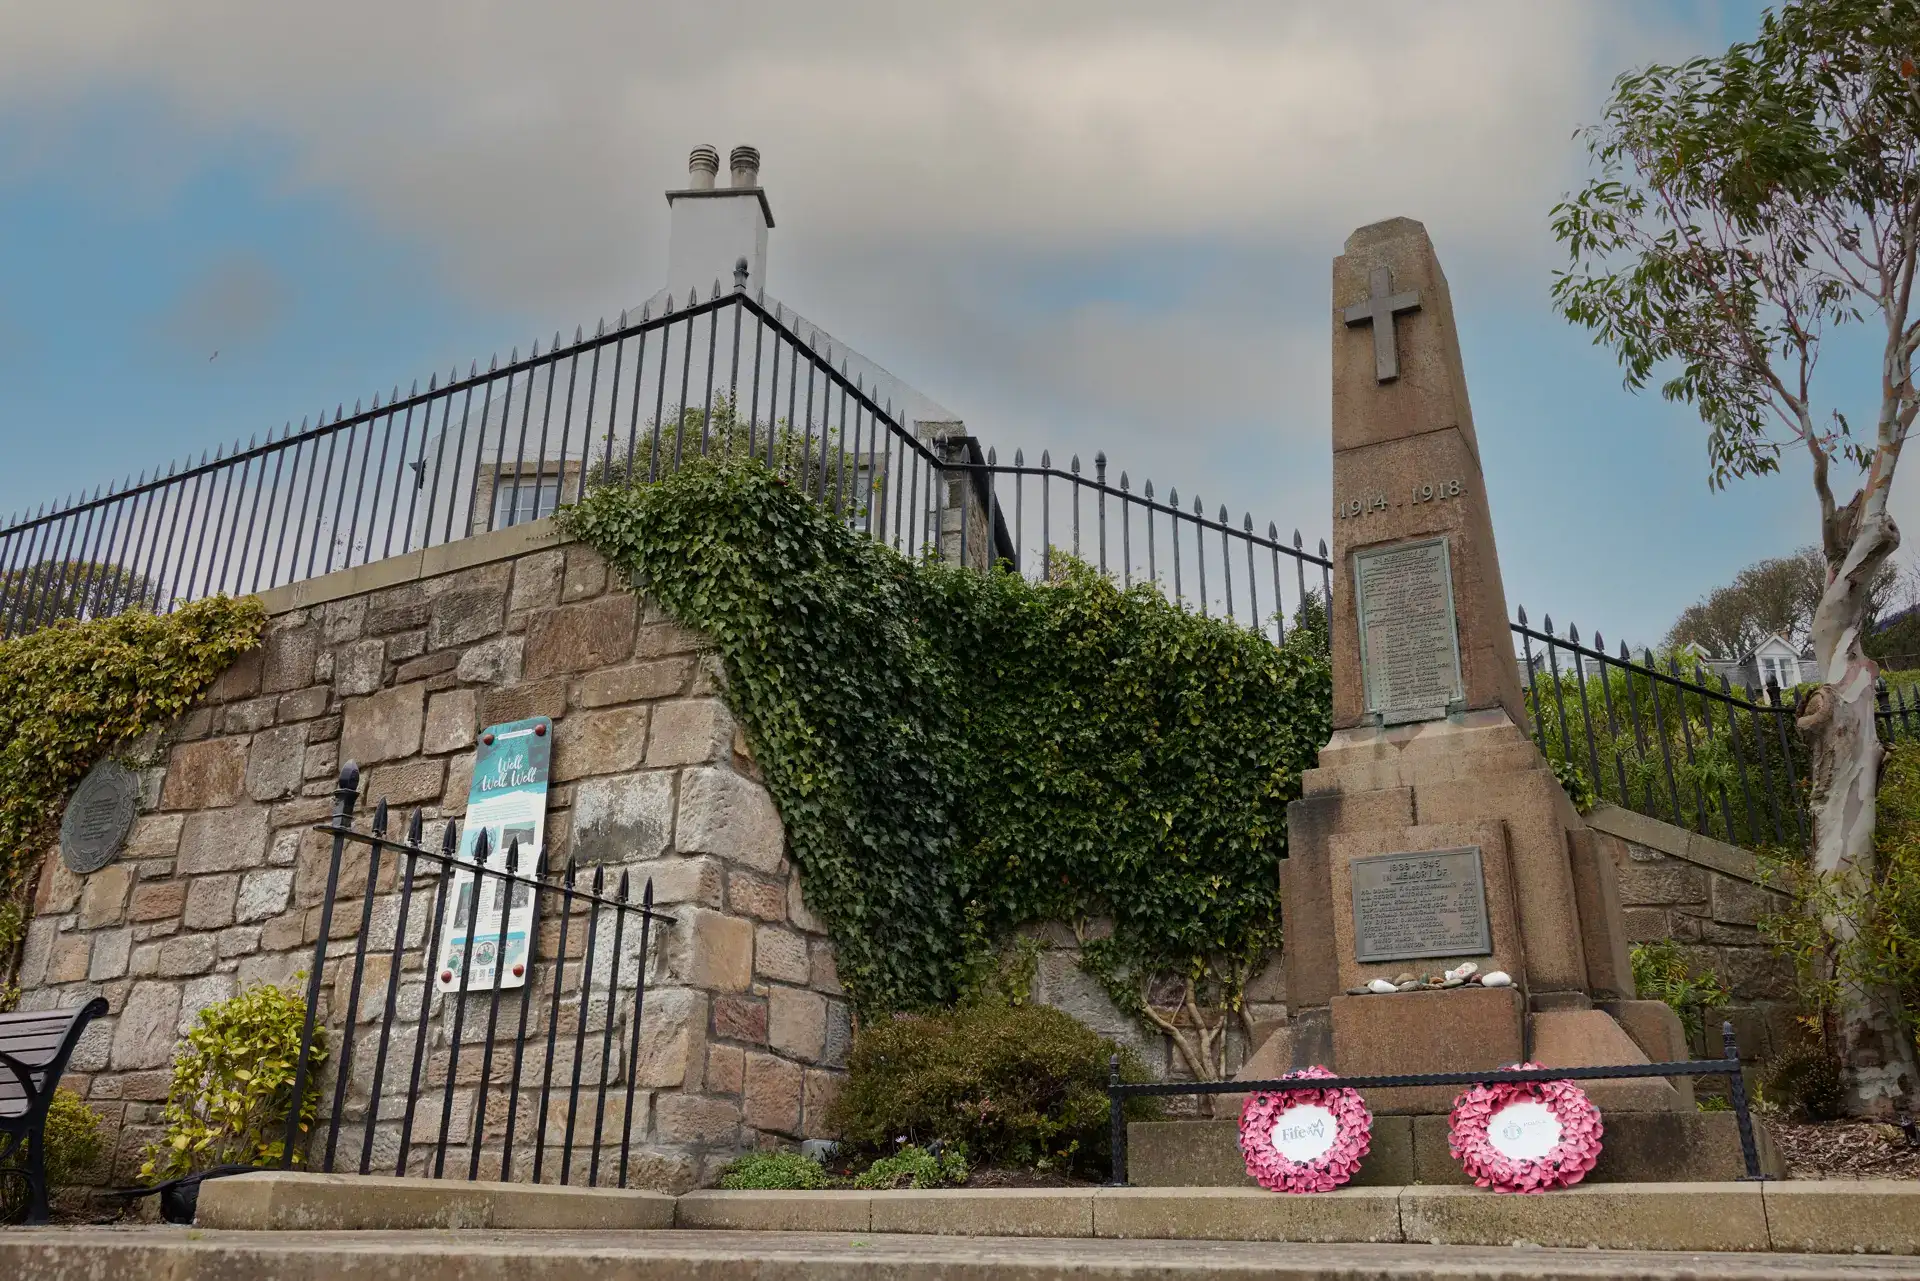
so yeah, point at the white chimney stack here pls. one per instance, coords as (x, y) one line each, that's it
(710, 228)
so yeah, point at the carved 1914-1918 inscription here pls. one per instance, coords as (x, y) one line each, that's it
(1431, 903)
(1432, 491)
(1409, 645)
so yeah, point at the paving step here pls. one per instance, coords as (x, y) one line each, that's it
(1841, 1216)
(481, 1254)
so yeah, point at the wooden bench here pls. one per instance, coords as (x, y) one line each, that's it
(34, 1049)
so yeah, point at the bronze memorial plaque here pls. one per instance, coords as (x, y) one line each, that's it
(1431, 903)
(99, 817)
(1409, 645)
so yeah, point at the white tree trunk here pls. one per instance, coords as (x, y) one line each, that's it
(1878, 1062)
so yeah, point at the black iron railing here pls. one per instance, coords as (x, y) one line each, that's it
(511, 443)
(1201, 561)
(1899, 713)
(1670, 739)
(1676, 740)
(568, 1043)
(1118, 1091)
(732, 374)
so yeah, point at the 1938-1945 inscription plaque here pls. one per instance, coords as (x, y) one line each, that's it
(1430, 903)
(1409, 645)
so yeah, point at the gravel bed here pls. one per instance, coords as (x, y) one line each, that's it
(1846, 1150)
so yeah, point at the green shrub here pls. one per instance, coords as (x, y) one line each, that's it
(233, 1084)
(73, 1140)
(915, 1167)
(1805, 1081)
(763, 1171)
(1661, 973)
(1016, 1085)
(1578, 788)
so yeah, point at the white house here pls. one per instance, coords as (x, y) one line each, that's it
(1773, 662)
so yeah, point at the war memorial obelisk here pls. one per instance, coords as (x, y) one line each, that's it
(1434, 831)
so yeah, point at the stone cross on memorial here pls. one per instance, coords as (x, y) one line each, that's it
(1433, 831)
(1379, 308)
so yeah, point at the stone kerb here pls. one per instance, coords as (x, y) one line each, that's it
(397, 666)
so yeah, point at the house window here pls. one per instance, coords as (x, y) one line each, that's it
(517, 500)
(1784, 672)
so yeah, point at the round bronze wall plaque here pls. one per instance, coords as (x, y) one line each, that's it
(99, 817)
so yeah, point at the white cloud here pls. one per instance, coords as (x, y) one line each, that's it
(918, 157)
(529, 143)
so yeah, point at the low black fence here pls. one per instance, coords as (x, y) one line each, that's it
(1118, 1091)
(435, 1069)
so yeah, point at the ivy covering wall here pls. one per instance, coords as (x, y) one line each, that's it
(956, 754)
(73, 692)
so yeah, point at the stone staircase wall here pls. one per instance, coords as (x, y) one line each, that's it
(1706, 896)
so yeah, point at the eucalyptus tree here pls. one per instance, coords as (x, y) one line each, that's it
(1747, 209)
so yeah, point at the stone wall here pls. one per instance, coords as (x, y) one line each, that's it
(396, 665)
(1704, 895)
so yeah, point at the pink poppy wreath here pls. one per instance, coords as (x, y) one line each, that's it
(1270, 1167)
(1564, 1157)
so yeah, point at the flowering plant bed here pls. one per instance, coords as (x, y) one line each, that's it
(1305, 1140)
(1525, 1136)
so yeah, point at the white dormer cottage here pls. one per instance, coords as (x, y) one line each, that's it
(1775, 662)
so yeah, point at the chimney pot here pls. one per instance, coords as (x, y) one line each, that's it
(745, 164)
(702, 164)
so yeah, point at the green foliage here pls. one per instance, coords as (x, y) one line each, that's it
(1896, 638)
(233, 1085)
(1661, 973)
(1623, 730)
(1805, 1080)
(74, 1141)
(956, 754)
(1746, 205)
(1019, 1085)
(812, 458)
(1311, 628)
(1843, 932)
(1004, 977)
(774, 1171)
(916, 1167)
(52, 590)
(72, 692)
(1573, 780)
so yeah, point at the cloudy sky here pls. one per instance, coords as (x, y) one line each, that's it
(1079, 225)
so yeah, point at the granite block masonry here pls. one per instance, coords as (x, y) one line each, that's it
(220, 883)
(1433, 830)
